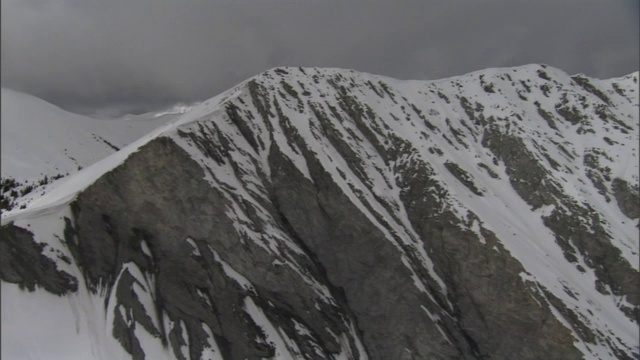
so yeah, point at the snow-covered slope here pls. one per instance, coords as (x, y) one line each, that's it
(325, 213)
(41, 142)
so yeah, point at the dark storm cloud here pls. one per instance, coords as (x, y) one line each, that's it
(137, 55)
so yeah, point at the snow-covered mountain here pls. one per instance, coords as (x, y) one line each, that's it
(42, 143)
(329, 214)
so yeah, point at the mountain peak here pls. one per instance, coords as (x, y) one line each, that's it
(328, 213)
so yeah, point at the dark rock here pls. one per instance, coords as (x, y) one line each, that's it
(627, 198)
(23, 262)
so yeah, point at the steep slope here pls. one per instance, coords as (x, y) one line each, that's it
(324, 213)
(42, 143)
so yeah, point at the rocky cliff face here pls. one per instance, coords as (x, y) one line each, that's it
(329, 214)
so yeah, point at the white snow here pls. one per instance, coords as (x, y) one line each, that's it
(193, 244)
(210, 352)
(232, 273)
(40, 325)
(285, 349)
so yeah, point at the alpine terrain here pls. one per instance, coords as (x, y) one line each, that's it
(316, 213)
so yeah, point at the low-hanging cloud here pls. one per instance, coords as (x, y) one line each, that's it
(140, 55)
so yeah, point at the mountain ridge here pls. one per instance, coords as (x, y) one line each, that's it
(290, 154)
(42, 143)
(146, 117)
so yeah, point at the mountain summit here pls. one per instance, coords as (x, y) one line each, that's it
(328, 214)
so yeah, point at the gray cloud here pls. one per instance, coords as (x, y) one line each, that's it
(138, 55)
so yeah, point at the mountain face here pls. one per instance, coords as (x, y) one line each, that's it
(329, 214)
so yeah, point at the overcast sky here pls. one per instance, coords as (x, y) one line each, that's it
(113, 56)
